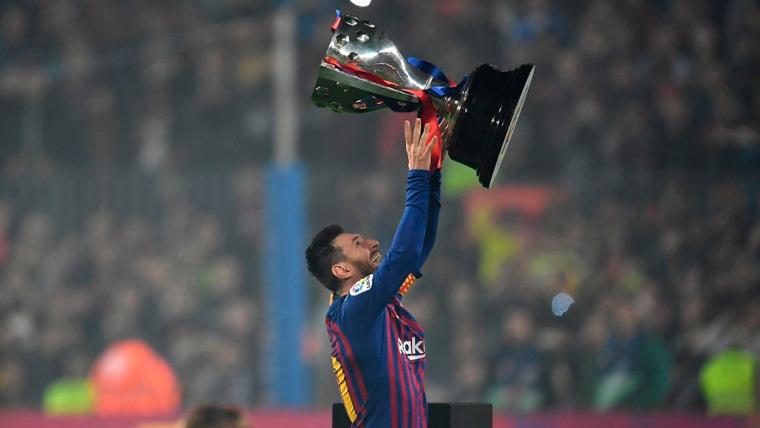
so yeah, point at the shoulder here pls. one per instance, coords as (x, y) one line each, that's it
(334, 309)
(361, 286)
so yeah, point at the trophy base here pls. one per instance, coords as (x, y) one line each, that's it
(490, 104)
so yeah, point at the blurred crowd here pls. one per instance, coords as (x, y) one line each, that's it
(142, 84)
(628, 86)
(180, 276)
(663, 272)
(640, 132)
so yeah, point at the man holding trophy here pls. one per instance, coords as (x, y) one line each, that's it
(378, 348)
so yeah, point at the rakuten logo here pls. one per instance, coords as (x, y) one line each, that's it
(413, 349)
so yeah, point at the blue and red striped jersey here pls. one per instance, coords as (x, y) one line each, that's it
(378, 348)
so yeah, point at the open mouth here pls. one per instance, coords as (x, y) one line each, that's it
(375, 259)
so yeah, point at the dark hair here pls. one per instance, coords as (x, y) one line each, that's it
(322, 254)
(215, 416)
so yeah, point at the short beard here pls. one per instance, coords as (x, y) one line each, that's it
(365, 268)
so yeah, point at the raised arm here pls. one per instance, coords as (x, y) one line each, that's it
(434, 207)
(405, 250)
(370, 295)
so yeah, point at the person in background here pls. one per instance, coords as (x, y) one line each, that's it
(215, 416)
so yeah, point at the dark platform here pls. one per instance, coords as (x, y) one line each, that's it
(440, 415)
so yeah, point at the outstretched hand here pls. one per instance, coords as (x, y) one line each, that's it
(418, 148)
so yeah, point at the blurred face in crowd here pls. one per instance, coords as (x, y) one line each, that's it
(625, 319)
(594, 331)
(361, 256)
(518, 327)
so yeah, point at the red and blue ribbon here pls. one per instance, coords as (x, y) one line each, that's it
(426, 110)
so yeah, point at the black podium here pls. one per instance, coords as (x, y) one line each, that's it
(440, 415)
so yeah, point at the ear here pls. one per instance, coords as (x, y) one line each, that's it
(341, 270)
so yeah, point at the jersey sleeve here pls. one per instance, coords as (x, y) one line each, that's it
(369, 296)
(434, 208)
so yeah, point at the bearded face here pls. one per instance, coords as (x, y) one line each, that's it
(362, 254)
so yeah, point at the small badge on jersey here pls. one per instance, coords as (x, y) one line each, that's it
(361, 286)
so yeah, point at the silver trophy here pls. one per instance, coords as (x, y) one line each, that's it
(363, 71)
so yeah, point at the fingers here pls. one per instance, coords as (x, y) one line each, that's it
(425, 134)
(407, 134)
(429, 147)
(419, 144)
(423, 140)
(408, 140)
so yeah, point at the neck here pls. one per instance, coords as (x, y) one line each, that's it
(346, 286)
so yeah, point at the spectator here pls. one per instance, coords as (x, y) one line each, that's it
(132, 136)
(519, 374)
(215, 416)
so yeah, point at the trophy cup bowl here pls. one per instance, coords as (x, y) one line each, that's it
(363, 71)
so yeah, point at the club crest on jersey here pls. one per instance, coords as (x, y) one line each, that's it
(361, 286)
